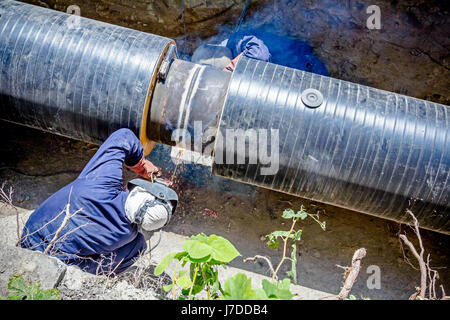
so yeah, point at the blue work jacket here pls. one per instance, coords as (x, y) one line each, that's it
(99, 238)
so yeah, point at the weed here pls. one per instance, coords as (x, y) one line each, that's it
(206, 254)
(19, 289)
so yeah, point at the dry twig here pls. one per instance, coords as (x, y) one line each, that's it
(258, 257)
(352, 273)
(418, 256)
(66, 219)
(426, 272)
(444, 296)
(6, 197)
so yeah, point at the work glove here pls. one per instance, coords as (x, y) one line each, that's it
(232, 64)
(146, 169)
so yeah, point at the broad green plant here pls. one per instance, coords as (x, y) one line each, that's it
(205, 254)
(19, 289)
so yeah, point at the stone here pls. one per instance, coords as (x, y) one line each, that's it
(31, 265)
(78, 284)
(8, 223)
(75, 278)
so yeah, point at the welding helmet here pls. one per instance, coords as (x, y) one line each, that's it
(150, 204)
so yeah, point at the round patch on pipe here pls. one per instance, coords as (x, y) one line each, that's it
(312, 98)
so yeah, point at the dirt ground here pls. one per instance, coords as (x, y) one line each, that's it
(36, 164)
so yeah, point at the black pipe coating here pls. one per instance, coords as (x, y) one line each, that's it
(364, 149)
(75, 76)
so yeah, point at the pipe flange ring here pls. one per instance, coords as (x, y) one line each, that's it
(312, 98)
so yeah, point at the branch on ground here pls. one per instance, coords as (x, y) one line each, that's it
(426, 272)
(6, 197)
(351, 273)
(258, 257)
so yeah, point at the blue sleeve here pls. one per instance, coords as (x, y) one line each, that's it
(249, 46)
(122, 146)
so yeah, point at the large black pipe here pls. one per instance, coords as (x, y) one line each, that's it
(74, 76)
(361, 148)
(345, 144)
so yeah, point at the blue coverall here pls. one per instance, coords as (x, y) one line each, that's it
(100, 238)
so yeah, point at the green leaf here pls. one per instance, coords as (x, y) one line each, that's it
(239, 287)
(288, 214)
(302, 214)
(208, 273)
(168, 287)
(200, 237)
(206, 259)
(164, 263)
(19, 289)
(216, 287)
(284, 284)
(50, 294)
(273, 238)
(222, 249)
(269, 288)
(278, 233)
(180, 255)
(272, 243)
(199, 282)
(185, 292)
(183, 282)
(298, 235)
(216, 249)
(260, 294)
(278, 290)
(196, 289)
(196, 249)
(293, 272)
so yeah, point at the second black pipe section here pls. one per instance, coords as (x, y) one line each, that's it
(360, 148)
